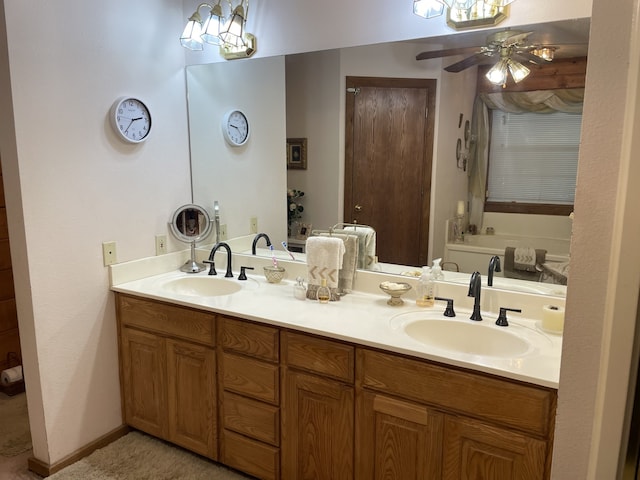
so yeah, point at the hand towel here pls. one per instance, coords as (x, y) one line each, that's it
(523, 271)
(324, 260)
(524, 258)
(366, 245)
(349, 261)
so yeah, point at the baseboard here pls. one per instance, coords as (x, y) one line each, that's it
(45, 469)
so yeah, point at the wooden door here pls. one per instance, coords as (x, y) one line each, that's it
(473, 450)
(144, 382)
(397, 439)
(191, 376)
(388, 157)
(317, 428)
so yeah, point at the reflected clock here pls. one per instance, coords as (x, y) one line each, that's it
(235, 128)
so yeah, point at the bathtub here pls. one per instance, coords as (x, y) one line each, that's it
(476, 251)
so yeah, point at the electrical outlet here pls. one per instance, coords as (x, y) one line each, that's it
(253, 225)
(109, 253)
(223, 231)
(161, 244)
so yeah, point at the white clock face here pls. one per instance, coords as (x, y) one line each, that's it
(131, 119)
(235, 128)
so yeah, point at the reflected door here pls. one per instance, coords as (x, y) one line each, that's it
(388, 159)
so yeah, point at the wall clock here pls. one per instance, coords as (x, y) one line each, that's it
(131, 119)
(235, 128)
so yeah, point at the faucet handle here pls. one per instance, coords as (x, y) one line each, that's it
(212, 267)
(502, 317)
(243, 274)
(448, 312)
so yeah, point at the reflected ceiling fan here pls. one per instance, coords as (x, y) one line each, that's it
(509, 50)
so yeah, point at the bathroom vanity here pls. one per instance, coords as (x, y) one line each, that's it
(283, 399)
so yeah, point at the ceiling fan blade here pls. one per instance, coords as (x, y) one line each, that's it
(468, 62)
(530, 57)
(447, 52)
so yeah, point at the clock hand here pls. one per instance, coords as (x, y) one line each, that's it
(131, 122)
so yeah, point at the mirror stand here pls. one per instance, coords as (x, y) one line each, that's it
(192, 266)
(191, 223)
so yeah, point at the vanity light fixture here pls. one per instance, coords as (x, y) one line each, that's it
(229, 34)
(464, 14)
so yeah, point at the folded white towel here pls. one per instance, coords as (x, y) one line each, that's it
(324, 260)
(524, 258)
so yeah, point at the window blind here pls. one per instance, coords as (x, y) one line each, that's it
(533, 157)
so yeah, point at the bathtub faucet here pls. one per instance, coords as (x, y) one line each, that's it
(475, 288)
(255, 241)
(494, 266)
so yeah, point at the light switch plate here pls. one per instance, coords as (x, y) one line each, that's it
(253, 225)
(161, 244)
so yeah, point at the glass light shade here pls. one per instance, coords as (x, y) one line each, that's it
(428, 8)
(212, 26)
(191, 36)
(498, 73)
(460, 4)
(498, 3)
(546, 53)
(233, 30)
(518, 71)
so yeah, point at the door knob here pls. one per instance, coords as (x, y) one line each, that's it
(358, 208)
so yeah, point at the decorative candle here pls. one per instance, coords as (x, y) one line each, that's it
(460, 207)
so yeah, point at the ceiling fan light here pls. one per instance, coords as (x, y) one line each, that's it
(428, 8)
(546, 53)
(191, 35)
(518, 71)
(498, 73)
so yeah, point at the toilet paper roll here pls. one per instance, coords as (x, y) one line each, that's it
(553, 318)
(11, 375)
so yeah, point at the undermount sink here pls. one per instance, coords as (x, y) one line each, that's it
(472, 338)
(461, 335)
(207, 286)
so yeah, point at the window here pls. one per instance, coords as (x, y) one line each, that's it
(533, 161)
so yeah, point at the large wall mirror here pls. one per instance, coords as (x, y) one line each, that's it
(304, 96)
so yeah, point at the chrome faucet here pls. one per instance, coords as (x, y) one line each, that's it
(255, 241)
(494, 266)
(211, 262)
(475, 288)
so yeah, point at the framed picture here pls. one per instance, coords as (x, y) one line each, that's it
(297, 153)
(303, 231)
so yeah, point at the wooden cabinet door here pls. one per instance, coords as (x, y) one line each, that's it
(473, 450)
(397, 439)
(317, 428)
(192, 397)
(144, 382)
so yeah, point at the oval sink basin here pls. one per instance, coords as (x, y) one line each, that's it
(208, 286)
(470, 338)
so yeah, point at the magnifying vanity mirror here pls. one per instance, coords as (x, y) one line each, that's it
(190, 224)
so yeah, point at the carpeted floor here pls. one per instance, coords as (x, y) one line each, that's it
(137, 456)
(15, 437)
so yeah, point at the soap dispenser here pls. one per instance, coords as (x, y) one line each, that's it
(436, 270)
(425, 291)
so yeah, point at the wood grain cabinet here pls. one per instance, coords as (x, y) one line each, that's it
(317, 408)
(250, 400)
(168, 381)
(279, 404)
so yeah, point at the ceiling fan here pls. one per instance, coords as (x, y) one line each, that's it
(507, 46)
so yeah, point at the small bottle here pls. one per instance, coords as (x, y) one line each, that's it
(299, 290)
(436, 270)
(323, 294)
(425, 291)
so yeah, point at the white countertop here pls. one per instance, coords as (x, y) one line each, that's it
(361, 317)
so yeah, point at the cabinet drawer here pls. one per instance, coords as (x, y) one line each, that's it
(251, 377)
(505, 402)
(252, 418)
(249, 338)
(250, 456)
(167, 319)
(318, 355)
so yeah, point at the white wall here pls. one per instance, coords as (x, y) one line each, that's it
(71, 184)
(248, 180)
